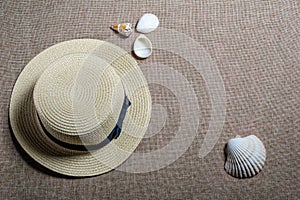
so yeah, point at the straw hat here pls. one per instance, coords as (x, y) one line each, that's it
(80, 107)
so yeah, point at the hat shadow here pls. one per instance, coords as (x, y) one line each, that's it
(30, 161)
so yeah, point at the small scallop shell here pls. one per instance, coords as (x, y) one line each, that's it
(245, 156)
(124, 29)
(147, 23)
(142, 46)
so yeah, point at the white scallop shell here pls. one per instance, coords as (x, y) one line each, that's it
(147, 23)
(142, 46)
(245, 156)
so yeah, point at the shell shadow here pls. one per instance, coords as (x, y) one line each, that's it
(224, 154)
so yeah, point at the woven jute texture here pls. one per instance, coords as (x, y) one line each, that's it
(253, 45)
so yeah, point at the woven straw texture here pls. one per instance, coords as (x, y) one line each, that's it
(69, 84)
(255, 46)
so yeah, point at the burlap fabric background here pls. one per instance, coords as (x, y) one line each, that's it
(254, 44)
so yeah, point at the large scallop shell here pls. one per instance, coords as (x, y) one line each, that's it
(245, 156)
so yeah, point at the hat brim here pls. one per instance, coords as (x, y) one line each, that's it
(31, 137)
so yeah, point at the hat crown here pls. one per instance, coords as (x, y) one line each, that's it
(78, 99)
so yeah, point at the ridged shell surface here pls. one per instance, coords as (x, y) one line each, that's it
(245, 157)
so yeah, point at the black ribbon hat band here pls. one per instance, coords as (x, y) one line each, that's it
(114, 134)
